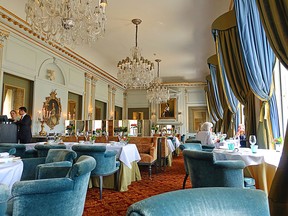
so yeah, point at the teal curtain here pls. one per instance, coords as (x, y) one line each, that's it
(258, 57)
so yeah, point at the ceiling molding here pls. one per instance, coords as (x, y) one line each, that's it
(185, 84)
(22, 29)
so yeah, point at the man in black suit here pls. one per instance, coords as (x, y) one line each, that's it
(24, 126)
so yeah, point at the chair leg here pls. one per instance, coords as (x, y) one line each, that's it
(185, 179)
(116, 180)
(100, 185)
(150, 171)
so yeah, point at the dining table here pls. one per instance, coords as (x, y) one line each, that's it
(10, 172)
(261, 165)
(127, 154)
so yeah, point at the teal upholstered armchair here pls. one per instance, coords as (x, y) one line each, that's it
(205, 172)
(204, 202)
(4, 195)
(189, 146)
(55, 196)
(20, 150)
(42, 150)
(106, 162)
(10, 150)
(39, 167)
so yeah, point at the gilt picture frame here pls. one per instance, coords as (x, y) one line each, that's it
(168, 110)
(52, 110)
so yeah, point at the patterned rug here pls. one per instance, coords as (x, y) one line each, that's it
(116, 203)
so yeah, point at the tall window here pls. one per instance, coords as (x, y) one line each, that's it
(281, 89)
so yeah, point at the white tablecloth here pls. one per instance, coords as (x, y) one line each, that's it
(11, 172)
(126, 153)
(262, 156)
(170, 145)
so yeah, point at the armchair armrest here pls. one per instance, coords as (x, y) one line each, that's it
(29, 167)
(110, 153)
(230, 164)
(53, 170)
(153, 152)
(42, 186)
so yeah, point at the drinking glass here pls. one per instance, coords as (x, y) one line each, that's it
(252, 139)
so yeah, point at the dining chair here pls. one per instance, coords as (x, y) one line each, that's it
(20, 150)
(205, 172)
(189, 146)
(106, 163)
(214, 201)
(42, 150)
(56, 196)
(10, 150)
(4, 196)
(32, 170)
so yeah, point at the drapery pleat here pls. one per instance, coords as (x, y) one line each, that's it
(228, 121)
(229, 46)
(213, 104)
(259, 60)
(210, 109)
(274, 17)
(232, 101)
(278, 196)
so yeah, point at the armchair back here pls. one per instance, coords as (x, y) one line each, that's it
(55, 196)
(205, 172)
(204, 201)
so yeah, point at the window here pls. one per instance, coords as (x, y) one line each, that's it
(281, 90)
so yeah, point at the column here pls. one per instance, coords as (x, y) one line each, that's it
(109, 105)
(113, 101)
(3, 37)
(93, 94)
(87, 98)
(125, 110)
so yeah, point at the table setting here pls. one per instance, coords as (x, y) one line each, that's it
(261, 164)
(11, 169)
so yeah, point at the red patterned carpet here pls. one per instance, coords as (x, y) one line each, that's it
(116, 203)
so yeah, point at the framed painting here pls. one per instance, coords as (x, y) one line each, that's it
(168, 110)
(52, 110)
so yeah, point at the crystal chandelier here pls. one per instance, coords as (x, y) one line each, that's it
(135, 72)
(157, 93)
(68, 22)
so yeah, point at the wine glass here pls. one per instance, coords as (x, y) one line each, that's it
(252, 139)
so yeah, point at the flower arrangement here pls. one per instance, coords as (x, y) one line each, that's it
(98, 130)
(70, 129)
(125, 139)
(133, 125)
(278, 140)
(93, 138)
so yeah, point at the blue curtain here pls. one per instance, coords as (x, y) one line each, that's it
(215, 88)
(232, 101)
(257, 55)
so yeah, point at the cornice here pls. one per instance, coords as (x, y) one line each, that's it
(184, 84)
(22, 29)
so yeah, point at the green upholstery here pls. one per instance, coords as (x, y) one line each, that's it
(42, 150)
(4, 195)
(31, 171)
(10, 150)
(56, 196)
(190, 146)
(204, 202)
(106, 162)
(205, 172)
(20, 150)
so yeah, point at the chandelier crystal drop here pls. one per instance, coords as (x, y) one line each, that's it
(135, 72)
(157, 93)
(67, 22)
